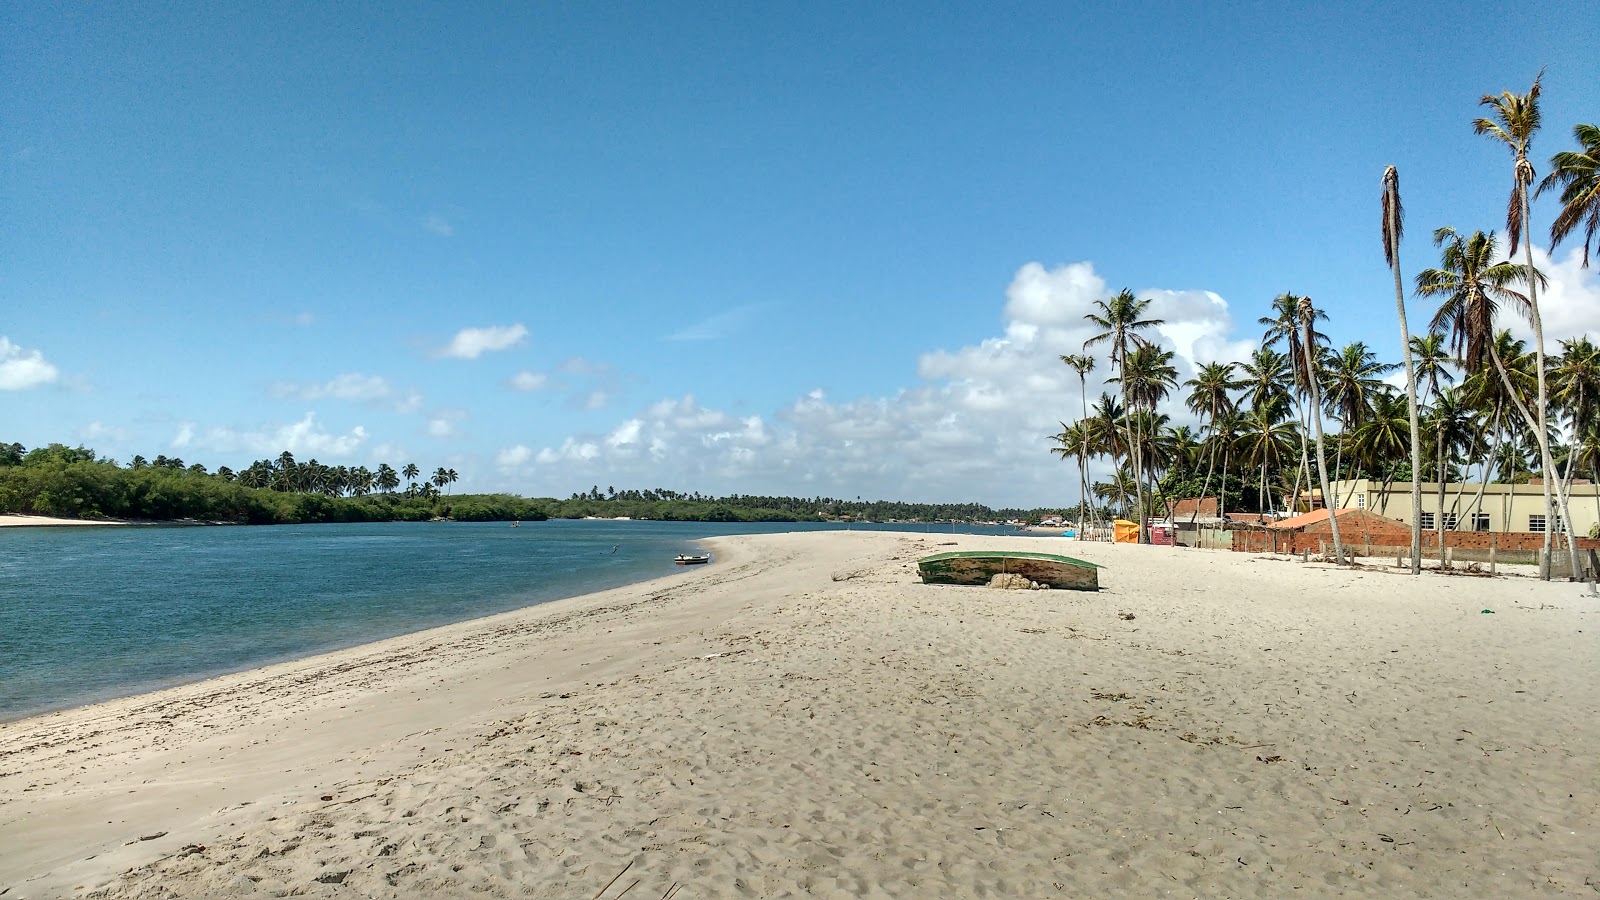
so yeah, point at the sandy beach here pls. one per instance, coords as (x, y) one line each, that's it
(803, 717)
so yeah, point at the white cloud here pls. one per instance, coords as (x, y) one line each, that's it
(512, 457)
(719, 325)
(529, 381)
(21, 369)
(438, 224)
(350, 386)
(373, 390)
(1569, 305)
(304, 437)
(99, 431)
(976, 427)
(470, 343)
(442, 423)
(184, 437)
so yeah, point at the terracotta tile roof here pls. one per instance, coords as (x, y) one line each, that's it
(1186, 507)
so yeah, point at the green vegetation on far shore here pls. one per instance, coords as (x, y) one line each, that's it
(74, 483)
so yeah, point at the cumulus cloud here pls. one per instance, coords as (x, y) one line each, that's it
(512, 457)
(21, 368)
(184, 437)
(975, 426)
(529, 381)
(304, 437)
(471, 343)
(442, 422)
(374, 390)
(1569, 305)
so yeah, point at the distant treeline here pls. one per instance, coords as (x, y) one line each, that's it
(72, 482)
(661, 503)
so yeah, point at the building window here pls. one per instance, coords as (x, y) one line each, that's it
(1361, 501)
(1450, 520)
(1536, 524)
(1480, 521)
(1427, 521)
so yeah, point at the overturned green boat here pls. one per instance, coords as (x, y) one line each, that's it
(978, 566)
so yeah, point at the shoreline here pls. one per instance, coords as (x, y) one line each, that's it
(1201, 707)
(10, 520)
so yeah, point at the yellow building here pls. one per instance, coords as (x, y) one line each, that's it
(1503, 507)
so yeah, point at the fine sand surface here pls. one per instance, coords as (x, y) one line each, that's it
(11, 520)
(804, 718)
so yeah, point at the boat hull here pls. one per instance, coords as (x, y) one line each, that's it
(977, 567)
(692, 560)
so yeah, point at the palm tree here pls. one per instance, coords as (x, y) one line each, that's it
(1083, 364)
(441, 477)
(1432, 361)
(1350, 378)
(1106, 436)
(1452, 425)
(1267, 438)
(1578, 174)
(411, 472)
(1073, 443)
(1148, 375)
(1473, 287)
(450, 476)
(386, 479)
(1307, 316)
(1210, 396)
(1515, 119)
(1575, 390)
(1393, 231)
(1382, 438)
(1266, 378)
(1121, 320)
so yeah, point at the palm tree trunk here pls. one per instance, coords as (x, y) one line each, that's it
(1499, 433)
(1322, 458)
(1205, 486)
(1438, 476)
(1411, 392)
(1542, 399)
(1083, 461)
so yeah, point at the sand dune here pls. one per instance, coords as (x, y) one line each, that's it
(804, 718)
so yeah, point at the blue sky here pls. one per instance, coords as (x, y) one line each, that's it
(728, 248)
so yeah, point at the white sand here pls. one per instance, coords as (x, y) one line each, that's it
(802, 717)
(12, 520)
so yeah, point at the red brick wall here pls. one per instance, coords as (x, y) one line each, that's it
(1255, 541)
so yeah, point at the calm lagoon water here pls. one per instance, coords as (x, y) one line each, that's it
(92, 613)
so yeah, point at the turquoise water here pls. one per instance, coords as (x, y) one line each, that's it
(88, 614)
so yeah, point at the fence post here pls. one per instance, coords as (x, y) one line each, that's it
(1492, 543)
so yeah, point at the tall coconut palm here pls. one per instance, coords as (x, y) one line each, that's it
(1210, 396)
(1149, 376)
(386, 480)
(1452, 426)
(1266, 378)
(1122, 319)
(411, 472)
(1106, 432)
(1432, 362)
(1393, 231)
(1350, 378)
(1072, 442)
(1083, 364)
(1267, 439)
(1575, 391)
(1577, 172)
(1383, 438)
(1313, 378)
(1473, 287)
(1513, 120)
